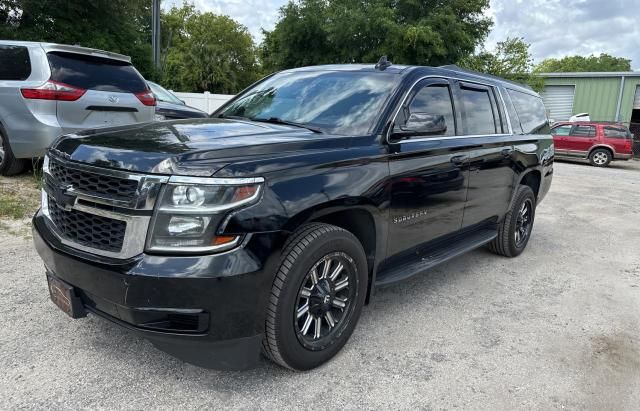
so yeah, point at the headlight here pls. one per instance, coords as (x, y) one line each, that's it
(189, 211)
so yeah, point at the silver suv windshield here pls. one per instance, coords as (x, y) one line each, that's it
(338, 102)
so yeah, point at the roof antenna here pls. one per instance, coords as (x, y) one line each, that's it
(383, 63)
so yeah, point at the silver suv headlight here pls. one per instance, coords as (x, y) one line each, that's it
(189, 210)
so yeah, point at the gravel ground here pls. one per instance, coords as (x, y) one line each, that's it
(558, 327)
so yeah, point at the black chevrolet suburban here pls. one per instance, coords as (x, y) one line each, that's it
(267, 227)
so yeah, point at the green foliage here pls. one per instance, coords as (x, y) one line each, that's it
(511, 60)
(206, 52)
(568, 64)
(425, 32)
(121, 26)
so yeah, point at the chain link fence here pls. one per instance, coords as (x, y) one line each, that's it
(635, 130)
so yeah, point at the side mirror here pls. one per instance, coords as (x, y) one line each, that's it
(422, 124)
(183, 102)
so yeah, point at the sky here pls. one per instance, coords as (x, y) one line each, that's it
(554, 28)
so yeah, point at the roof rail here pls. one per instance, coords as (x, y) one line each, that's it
(457, 68)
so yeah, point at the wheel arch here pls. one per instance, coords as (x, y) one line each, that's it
(532, 179)
(602, 146)
(361, 220)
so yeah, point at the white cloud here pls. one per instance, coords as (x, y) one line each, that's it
(556, 28)
(254, 14)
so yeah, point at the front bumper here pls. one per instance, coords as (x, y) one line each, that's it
(205, 310)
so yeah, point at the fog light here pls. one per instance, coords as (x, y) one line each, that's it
(187, 225)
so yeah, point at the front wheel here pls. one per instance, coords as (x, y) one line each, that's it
(515, 230)
(316, 298)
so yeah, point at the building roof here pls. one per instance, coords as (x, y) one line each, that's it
(588, 74)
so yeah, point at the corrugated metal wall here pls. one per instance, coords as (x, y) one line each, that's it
(558, 101)
(599, 96)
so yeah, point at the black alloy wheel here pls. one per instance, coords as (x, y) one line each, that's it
(524, 223)
(316, 298)
(325, 300)
(514, 231)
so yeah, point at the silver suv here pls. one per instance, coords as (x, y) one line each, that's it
(51, 89)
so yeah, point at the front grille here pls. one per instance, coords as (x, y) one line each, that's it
(94, 184)
(86, 229)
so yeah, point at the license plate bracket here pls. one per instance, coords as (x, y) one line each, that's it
(64, 296)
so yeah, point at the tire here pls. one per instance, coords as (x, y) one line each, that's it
(294, 341)
(508, 243)
(600, 157)
(9, 165)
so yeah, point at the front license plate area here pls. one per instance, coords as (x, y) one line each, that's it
(63, 295)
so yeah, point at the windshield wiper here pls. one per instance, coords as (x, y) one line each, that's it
(276, 120)
(232, 117)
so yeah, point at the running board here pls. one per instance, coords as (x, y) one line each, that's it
(436, 255)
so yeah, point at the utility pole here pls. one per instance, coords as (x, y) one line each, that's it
(155, 32)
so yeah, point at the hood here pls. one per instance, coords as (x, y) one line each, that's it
(178, 111)
(189, 147)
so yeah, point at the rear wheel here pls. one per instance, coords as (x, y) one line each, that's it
(316, 298)
(9, 165)
(600, 157)
(515, 229)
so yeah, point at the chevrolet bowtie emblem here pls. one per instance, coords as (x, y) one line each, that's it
(62, 196)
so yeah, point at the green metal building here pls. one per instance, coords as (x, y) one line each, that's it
(611, 96)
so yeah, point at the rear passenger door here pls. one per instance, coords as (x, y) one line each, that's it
(491, 175)
(428, 171)
(580, 140)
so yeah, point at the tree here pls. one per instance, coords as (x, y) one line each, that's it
(603, 62)
(121, 26)
(511, 60)
(206, 52)
(428, 32)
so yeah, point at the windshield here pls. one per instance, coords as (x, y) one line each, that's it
(338, 102)
(163, 94)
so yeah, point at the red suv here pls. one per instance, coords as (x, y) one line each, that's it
(599, 142)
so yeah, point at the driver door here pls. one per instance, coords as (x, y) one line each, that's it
(429, 173)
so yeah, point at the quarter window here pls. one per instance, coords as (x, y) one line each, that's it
(435, 100)
(616, 132)
(531, 112)
(583, 131)
(479, 111)
(14, 63)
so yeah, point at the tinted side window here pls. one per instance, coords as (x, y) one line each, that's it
(435, 100)
(531, 112)
(616, 132)
(583, 131)
(14, 63)
(479, 112)
(513, 115)
(561, 131)
(94, 73)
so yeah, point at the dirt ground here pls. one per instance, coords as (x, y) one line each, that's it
(557, 327)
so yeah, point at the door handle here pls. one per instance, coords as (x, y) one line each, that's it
(458, 160)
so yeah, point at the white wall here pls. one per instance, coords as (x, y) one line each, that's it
(204, 101)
